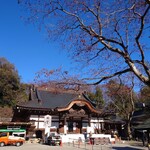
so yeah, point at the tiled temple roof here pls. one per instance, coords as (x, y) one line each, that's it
(49, 100)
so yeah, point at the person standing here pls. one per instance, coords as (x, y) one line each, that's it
(143, 138)
(90, 138)
(85, 135)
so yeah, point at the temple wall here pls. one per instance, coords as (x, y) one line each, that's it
(38, 122)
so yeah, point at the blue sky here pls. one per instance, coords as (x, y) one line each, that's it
(27, 48)
(24, 46)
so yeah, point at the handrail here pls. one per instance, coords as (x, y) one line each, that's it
(91, 143)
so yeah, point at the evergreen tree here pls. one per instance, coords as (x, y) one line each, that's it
(11, 88)
(97, 97)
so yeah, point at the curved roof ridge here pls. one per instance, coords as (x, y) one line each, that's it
(86, 97)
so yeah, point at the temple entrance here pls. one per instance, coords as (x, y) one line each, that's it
(79, 126)
(70, 126)
(38, 134)
(74, 125)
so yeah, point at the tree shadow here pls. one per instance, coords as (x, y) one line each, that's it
(125, 148)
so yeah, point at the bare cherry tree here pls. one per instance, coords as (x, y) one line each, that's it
(110, 37)
(58, 80)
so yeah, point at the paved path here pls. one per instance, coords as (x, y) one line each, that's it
(36, 146)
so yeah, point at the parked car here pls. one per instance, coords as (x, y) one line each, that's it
(54, 139)
(6, 139)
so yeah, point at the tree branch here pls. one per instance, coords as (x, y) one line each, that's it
(113, 75)
(138, 42)
(97, 54)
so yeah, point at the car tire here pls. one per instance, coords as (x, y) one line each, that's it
(2, 144)
(18, 144)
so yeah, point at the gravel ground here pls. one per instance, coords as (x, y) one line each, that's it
(117, 146)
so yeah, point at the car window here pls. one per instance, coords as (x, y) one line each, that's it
(3, 134)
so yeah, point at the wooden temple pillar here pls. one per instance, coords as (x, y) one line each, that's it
(62, 123)
(89, 120)
(80, 127)
(102, 126)
(58, 130)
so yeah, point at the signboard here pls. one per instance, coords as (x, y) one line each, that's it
(47, 120)
(12, 130)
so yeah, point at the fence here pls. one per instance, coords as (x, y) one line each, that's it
(92, 143)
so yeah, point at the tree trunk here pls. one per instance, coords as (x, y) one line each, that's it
(129, 130)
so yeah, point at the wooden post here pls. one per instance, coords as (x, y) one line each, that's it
(89, 120)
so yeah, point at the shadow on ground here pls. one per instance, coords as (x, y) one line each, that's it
(125, 148)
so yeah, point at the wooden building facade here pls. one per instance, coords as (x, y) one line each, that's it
(70, 112)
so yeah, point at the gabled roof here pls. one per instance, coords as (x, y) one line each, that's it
(43, 99)
(140, 115)
(143, 126)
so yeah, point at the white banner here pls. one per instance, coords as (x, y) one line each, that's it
(47, 121)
